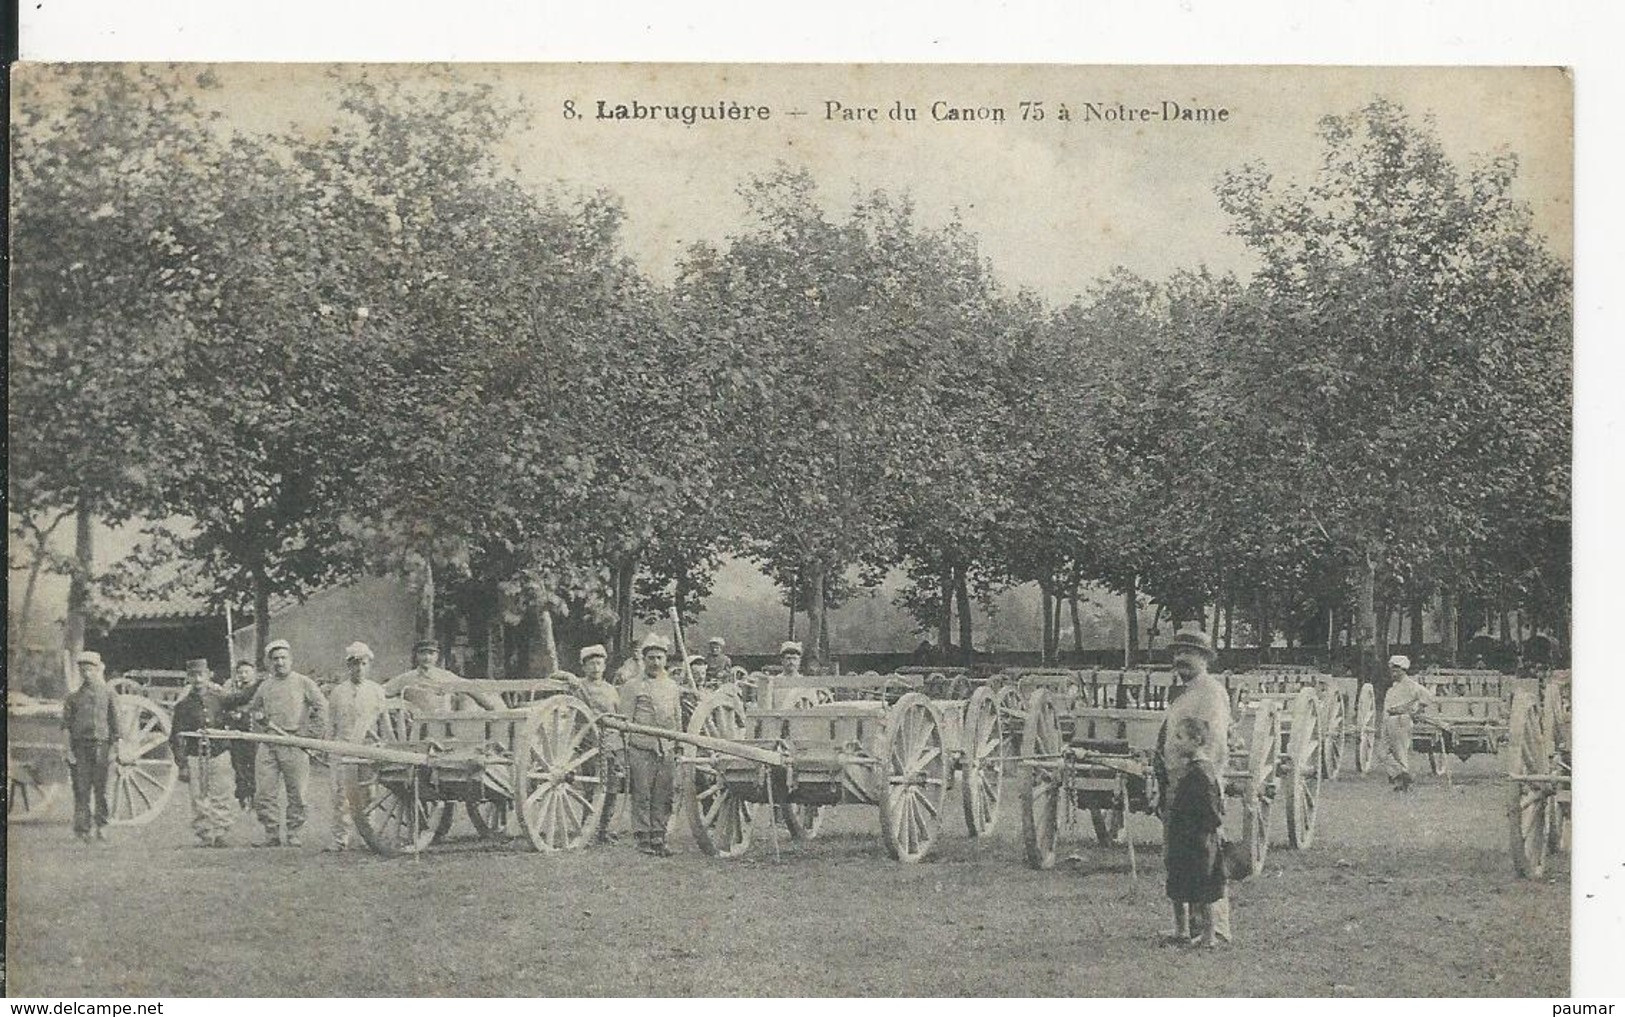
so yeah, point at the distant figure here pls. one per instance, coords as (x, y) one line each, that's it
(1406, 697)
(717, 663)
(698, 669)
(354, 706)
(1183, 746)
(92, 722)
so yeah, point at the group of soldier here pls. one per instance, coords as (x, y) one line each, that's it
(273, 779)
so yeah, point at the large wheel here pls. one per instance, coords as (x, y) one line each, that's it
(914, 774)
(1262, 749)
(141, 769)
(1531, 748)
(1365, 728)
(563, 775)
(392, 814)
(1305, 771)
(984, 761)
(719, 818)
(1041, 781)
(1334, 715)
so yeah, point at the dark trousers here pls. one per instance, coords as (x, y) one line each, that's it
(651, 777)
(242, 769)
(89, 776)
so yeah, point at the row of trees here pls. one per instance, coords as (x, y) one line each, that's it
(372, 350)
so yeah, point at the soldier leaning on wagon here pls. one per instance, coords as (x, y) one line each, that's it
(1201, 699)
(1406, 697)
(353, 707)
(603, 698)
(427, 686)
(207, 772)
(653, 699)
(245, 679)
(285, 703)
(89, 715)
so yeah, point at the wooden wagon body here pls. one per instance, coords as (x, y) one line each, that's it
(1461, 726)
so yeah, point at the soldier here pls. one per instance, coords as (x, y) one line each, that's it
(206, 769)
(285, 703)
(790, 658)
(427, 686)
(1406, 697)
(603, 698)
(654, 699)
(89, 715)
(698, 668)
(718, 664)
(245, 679)
(354, 706)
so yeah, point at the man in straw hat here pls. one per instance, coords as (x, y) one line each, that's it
(1406, 697)
(206, 770)
(1197, 729)
(654, 699)
(354, 706)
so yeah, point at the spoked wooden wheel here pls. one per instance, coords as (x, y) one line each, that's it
(1530, 753)
(1305, 771)
(141, 769)
(1333, 714)
(489, 814)
(1041, 780)
(1365, 728)
(391, 811)
(1439, 757)
(1261, 754)
(984, 762)
(718, 816)
(914, 775)
(563, 775)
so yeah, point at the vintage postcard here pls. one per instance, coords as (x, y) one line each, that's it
(790, 530)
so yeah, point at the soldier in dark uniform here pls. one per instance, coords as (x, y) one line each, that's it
(207, 771)
(244, 681)
(92, 722)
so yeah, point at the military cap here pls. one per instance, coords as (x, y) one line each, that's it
(696, 659)
(1400, 661)
(358, 651)
(88, 657)
(425, 644)
(790, 647)
(277, 644)
(654, 641)
(716, 641)
(595, 650)
(197, 664)
(1197, 641)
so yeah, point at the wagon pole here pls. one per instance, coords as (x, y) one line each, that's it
(756, 754)
(375, 753)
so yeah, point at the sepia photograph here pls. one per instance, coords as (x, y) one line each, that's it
(784, 530)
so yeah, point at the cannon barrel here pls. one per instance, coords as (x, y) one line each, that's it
(769, 757)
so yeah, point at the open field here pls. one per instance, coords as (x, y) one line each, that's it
(1400, 895)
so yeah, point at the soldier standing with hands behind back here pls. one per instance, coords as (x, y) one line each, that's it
(653, 699)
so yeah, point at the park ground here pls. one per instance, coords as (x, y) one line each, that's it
(1407, 895)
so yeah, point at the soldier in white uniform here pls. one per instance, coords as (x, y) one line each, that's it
(353, 706)
(1406, 697)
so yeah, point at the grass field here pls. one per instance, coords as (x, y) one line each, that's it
(1400, 895)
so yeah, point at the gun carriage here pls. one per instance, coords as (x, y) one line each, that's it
(1540, 774)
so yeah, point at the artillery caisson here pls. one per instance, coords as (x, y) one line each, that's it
(899, 756)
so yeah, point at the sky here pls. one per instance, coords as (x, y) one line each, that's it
(1056, 204)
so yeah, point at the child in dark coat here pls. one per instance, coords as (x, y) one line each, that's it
(1193, 850)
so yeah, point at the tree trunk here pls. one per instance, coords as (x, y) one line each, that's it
(945, 618)
(262, 615)
(1131, 625)
(962, 605)
(815, 614)
(1452, 625)
(423, 618)
(626, 570)
(823, 638)
(1416, 628)
(1048, 602)
(84, 562)
(550, 645)
(1077, 624)
(1229, 617)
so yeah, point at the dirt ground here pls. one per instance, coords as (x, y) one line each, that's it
(1409, 895)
